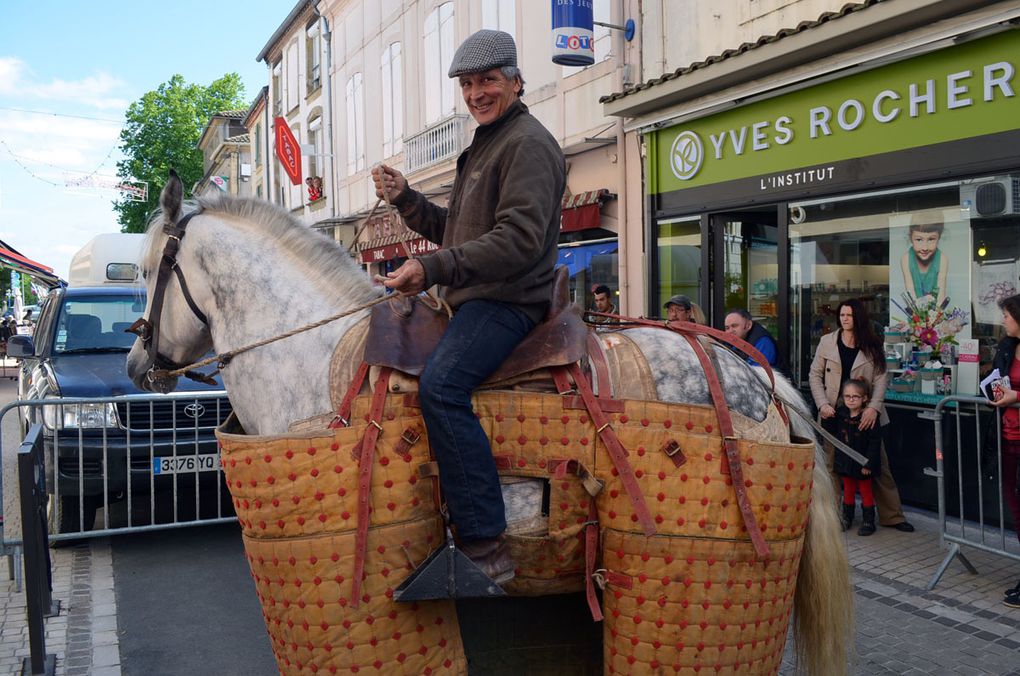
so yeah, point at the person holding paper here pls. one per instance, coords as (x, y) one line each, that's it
(1007, 361)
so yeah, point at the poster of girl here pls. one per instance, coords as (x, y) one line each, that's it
(925, 266)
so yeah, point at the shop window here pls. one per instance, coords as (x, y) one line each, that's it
(679, 253)
(590, 264)
(895, 248)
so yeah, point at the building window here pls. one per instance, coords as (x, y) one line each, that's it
(439, 48)
(313, 58)
(500, 15)
(393, 101)
(292, 76)
(601, 36)
(355, 124)
(258, 145)
(315, 140)
(278, 88)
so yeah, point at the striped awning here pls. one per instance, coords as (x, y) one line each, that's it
(26, 266)
(581, 210)
(583, 199)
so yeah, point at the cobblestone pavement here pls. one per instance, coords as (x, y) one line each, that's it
(960, 627)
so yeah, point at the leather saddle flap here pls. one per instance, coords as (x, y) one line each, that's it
(404, 332)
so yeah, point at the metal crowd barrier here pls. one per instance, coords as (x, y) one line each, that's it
(127, 464)
(968, 532)
(39, 603)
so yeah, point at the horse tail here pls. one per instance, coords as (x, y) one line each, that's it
(823, 601)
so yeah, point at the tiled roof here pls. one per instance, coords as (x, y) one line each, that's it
(233, 114)
(746, 47)
(240, 138)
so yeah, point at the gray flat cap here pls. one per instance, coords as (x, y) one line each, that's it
(679, 299)
(482, 51)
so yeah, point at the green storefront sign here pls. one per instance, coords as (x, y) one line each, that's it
(961, 92)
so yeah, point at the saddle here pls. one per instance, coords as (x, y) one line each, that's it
(404, 332)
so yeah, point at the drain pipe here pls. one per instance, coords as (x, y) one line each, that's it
(327, 38)
(619, 44)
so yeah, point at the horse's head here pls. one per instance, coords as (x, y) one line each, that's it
(174, 331)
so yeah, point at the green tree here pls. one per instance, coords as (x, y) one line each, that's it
(161, 133)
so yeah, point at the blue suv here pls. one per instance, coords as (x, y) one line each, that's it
(79, 350)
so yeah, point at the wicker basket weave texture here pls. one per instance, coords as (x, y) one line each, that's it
(302, 489)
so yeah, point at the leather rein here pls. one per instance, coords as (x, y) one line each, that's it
(147, 328)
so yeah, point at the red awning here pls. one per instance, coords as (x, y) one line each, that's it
(581, 211)
(43, 273)
(389, 247)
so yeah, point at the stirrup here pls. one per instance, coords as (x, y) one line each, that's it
(447, 573)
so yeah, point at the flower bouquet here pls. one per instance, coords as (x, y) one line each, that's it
(929, 326)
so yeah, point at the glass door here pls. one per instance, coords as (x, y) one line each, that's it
(746, 267)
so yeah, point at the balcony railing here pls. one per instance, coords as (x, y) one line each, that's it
(437, 143)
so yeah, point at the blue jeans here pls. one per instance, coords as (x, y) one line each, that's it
(481, 335)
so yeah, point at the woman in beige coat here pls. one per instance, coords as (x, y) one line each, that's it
(854, 351)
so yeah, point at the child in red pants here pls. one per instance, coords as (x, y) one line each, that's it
(854, 398)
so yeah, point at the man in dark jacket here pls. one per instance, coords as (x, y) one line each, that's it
(740, 324)
(495, 267)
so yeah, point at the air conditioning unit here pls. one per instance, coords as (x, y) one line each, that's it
(997, 197)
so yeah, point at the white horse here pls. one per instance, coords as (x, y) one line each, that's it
(251, 272)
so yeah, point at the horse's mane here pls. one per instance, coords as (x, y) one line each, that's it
(332, 262)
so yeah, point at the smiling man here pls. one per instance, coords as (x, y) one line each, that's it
(495, 268)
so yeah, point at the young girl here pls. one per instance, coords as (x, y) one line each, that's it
(924, 266)
(854, 397)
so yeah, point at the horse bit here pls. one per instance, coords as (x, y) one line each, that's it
(147, 328)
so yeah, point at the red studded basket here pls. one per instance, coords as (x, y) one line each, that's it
(693, 596)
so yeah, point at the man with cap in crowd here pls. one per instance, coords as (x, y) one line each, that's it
(679, 309)
(740, 324)
(495, 268)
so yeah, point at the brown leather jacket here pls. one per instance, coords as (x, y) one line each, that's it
(500, 229)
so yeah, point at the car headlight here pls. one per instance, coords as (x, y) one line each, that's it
(80, 416)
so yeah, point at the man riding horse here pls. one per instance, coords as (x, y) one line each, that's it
(498, 236)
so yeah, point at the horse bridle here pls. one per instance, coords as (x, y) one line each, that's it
(147, 328)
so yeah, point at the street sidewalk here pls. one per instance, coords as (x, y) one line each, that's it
(961, 627)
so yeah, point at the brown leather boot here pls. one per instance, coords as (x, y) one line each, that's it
(492, 556)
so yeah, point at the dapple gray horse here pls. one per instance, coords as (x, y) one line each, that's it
(252, 272)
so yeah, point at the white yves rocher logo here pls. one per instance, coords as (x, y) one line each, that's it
(686, 155)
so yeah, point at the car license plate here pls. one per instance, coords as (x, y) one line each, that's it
(182, 464)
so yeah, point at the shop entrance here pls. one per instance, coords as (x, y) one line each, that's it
(745, 256)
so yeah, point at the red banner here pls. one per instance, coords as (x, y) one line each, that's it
(287, 150)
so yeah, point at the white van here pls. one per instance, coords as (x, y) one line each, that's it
(108, 259)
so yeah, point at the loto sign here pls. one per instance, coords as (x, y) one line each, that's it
(287, 150)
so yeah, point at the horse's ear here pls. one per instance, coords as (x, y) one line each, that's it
(170, 198)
